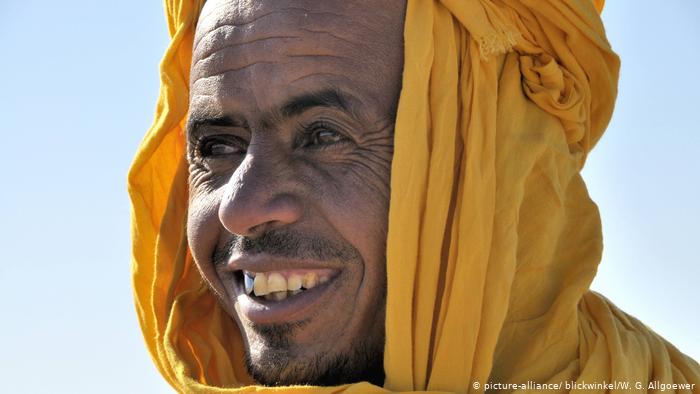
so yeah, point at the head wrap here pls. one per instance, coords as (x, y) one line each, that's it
(493, 240)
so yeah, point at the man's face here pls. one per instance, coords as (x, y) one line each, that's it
(290, 139)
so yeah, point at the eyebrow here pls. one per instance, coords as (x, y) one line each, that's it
(195, 122)
(329, 97)
(332, 98)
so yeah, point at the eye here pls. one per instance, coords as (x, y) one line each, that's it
(219, 146)
(325, 137)
(218, 149)
(321, 135)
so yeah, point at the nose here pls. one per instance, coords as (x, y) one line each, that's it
(259, 197)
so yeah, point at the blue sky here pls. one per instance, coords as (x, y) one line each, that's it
(79, 85)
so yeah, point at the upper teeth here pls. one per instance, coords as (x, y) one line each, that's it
(277, 285)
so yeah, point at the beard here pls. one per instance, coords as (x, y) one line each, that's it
(271, 361)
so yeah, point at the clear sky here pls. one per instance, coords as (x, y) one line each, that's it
(79, 81)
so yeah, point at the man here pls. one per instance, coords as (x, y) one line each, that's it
(357, 211)
(289, 146)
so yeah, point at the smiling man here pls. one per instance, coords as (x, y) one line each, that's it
(382, 196)
(290, 137)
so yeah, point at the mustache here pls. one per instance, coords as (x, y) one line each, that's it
(288, 244)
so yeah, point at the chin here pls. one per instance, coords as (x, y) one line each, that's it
(273, 358)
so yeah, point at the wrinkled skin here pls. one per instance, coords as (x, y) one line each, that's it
(290, 140)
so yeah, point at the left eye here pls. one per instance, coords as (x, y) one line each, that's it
(325, 136)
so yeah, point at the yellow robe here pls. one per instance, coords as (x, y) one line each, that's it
(493, 240)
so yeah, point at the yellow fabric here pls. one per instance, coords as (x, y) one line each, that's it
(493, 240)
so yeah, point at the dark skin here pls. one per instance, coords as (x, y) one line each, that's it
(290, 140)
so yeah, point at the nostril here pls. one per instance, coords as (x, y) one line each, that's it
(249, 215)
(260, 229)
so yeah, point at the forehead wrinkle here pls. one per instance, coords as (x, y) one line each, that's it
(232, 69)
(207, 88)
(233, 82)
(219, 12)
(247, 65)
(273, 46)
(330, 75)
(286, 22)
(239, 58)
(232, 47)
(227, 22)
(334, 35)
(210, 47)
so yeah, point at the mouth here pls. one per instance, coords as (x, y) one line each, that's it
(283, 296)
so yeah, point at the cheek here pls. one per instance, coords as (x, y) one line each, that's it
(203, 231)
(357, 204)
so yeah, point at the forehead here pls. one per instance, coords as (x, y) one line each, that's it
(252, 56)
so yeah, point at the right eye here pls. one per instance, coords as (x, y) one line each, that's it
(220, 146)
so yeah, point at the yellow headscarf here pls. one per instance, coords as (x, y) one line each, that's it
(493, 240)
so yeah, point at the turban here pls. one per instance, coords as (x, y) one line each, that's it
(493, 240)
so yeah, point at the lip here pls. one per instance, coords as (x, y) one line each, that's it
(292, 309)
(266, 262)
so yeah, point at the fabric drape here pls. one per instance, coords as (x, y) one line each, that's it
(493, 240)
